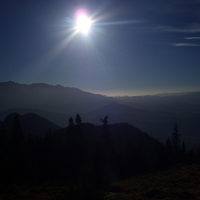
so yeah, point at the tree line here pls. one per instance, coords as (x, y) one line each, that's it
(72, 160)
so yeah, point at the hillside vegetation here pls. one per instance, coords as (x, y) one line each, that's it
(177, 183)
(85, 161)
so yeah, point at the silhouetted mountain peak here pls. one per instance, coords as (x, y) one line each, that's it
(31, 124)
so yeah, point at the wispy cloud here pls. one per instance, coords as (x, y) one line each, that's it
(192, 38)
(184, 45)
(192, 28)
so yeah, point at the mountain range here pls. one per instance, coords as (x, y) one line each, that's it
(154, 114)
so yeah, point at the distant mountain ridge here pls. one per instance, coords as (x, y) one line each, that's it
(153, 114)
(49, 98)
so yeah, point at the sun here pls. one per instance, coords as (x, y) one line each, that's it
(83, 22)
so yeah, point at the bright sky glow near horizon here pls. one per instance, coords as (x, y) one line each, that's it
(131, 48)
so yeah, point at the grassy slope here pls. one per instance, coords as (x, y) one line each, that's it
(182, 182)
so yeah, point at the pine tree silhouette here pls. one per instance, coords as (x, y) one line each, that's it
(17, 137)
(75, 146)
(80, 141)
(18, 152)
(3, 139)
(176, 140)
(105, 159)
(169, 152)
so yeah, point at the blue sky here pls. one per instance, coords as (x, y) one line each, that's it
(134, 47)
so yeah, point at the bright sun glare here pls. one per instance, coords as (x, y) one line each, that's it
(83, 23)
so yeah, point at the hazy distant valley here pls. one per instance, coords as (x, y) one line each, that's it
(154, 114)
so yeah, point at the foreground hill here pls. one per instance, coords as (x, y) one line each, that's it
(78, 153)
(122, 134)
(177, 183)
(180, 182)
(91, 162)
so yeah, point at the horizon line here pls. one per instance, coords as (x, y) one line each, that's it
(111, 93)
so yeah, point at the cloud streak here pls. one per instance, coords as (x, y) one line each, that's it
(184, 45)
(192, 38)
(192, 28)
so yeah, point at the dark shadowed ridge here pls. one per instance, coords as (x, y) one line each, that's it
(60, 119)
(158, 124)
(121, 133)
(31, 124)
